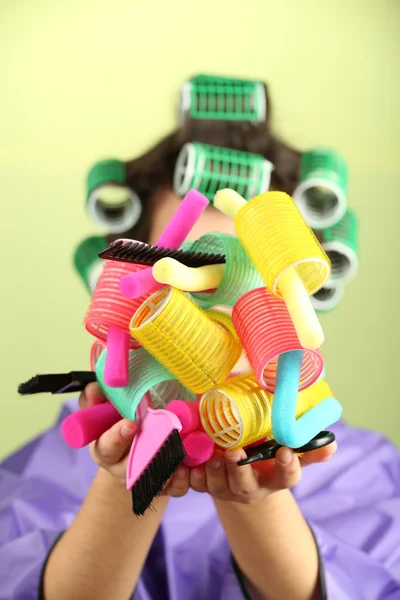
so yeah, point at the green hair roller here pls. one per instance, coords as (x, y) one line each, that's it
(340, 243)
(321, 194)
(240, 276)
(328, 297)
(145, 375)
(211, 168)
(223, 98)
(110, 203)
(87, 262)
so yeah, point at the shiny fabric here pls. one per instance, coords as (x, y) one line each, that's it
(352, 504)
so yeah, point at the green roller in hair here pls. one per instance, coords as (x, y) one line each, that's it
(223, 98)
(240, 276)
(328, 297)
(321, 194)
(211, 168)
(340, 243)
(110, 203)
(87, 262)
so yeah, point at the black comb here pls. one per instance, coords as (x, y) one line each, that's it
(268, 450)
(145, 254)
(58, 383)
(156, 475)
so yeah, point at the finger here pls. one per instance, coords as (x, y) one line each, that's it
(198, 480)
(287, 470)
(320, 455)
(216, 475)
(243, 481)
(114, 444)
(91, 395)
(178, 485)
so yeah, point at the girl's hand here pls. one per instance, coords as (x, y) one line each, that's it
(225, 480)
(111, 450)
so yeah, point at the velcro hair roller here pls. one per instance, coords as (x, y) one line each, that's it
(321, 194)
(329, 296)
(145, 375)
(211, 168)
(340, 243)
(266, 330)
(208, 97)
(87, 263)
(110, 202)
(239, 274)
(196, 348)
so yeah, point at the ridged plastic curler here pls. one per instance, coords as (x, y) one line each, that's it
(169, 271)
(328, 297)
(110, 203)
(95, 353)
(285, 251)
(108, 319)
(87, 262)
(322, 191)
(288, 429)
(146, 375)
(239, 275)
(340, 243)
(197, 349)
(136, 285)
(211, 168)
(266, 331)
(223, 98)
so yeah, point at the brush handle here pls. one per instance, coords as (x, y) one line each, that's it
(88, 424)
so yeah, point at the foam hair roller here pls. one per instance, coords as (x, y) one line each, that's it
(211, 168)
(266, 331)
(86, 425)
(340, 243)
(199, 448)
(198, 350)
(322, 191)
(223, 98)
(285, 252)
(145, 375)
(239, 275)
(86, 261)
(111, 204)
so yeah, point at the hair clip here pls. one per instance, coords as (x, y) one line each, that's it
(111, 203)
(144, 254)
(57, 383)
(268, 450)
(209, 168)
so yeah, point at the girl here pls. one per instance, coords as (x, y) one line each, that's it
(219, 531)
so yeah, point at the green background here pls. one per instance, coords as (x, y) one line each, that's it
(80, 82)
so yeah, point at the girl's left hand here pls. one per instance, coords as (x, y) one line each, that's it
(223, 479)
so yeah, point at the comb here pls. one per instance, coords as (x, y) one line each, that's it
(58, 383)
(131, 251)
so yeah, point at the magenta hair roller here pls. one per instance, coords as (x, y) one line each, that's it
(191, 208)
(199, 448)
(87, 425)
(188, 414)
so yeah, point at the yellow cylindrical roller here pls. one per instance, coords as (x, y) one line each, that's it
(171, 272)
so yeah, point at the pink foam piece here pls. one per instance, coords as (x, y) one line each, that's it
(87, 425)
(199, 448)
(154, 430)
(186, 216)
(187, 413)
(116, 369)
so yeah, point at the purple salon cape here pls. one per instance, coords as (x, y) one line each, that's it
(352, 504)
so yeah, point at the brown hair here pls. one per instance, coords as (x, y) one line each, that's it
(155, 168)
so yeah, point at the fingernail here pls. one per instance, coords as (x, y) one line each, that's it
(127, 432)
(216, 463)
(233, 457)
(285, 457)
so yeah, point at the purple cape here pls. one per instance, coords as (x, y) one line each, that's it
(352, 504)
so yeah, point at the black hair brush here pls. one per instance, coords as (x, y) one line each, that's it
(58, 383)
(131, 251)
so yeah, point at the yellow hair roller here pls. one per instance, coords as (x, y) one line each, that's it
(196, 348)
(285, 252)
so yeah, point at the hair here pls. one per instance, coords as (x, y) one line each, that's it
(155, 168)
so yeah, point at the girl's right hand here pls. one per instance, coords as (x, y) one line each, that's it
(111, 450)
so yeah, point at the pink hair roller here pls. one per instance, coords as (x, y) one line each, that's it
(187, 413)
(199, 448)
(95, 352)
(264, 325)
(193, 205)
(87, 425)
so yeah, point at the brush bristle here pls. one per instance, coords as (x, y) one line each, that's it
(27, 386)
(147, 255)
(161, 468)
